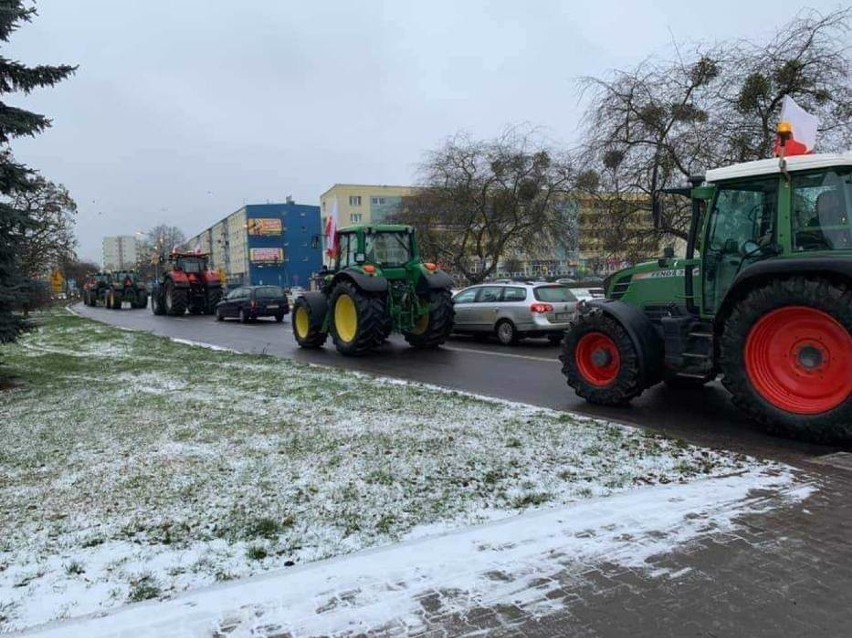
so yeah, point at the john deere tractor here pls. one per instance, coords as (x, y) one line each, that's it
(186, 284)
(125, 285)
(763, 297)
(95, 288)
(379, 285)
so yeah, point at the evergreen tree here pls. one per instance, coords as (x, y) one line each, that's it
(15, 178)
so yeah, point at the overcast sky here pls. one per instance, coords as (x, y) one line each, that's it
(184, 110)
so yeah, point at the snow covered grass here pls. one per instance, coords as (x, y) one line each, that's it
(134, 467)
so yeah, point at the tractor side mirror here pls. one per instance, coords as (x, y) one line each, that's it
(668, 253)
(360, 258)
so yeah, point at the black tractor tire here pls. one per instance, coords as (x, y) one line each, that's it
(366, 319)
(175, 300)
(437, 325)
(196, 310)
(306, 336)
(141, 301)
(158, 306)
(607, 382)
(763, 395)
(113, 302)
(214, 296)
(506, 332)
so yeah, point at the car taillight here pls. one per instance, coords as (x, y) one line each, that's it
(253, 305)
(541, 308)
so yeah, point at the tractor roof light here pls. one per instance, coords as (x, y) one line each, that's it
(785, 130)
(370, 269)
(430, 266)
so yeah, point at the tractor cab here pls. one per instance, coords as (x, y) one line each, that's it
(386, 250)
(190, 263)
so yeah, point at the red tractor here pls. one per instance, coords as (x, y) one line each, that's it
(186, 283)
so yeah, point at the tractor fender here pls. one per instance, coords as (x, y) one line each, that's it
(318, 303)
(646, 339)
(764, 271)
(437, 280)
(179, 279)
(365, 282)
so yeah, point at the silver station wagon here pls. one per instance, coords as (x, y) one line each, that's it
(514, 310)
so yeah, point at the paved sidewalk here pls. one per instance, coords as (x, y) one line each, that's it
(744, 556)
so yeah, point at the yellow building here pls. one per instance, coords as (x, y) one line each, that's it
(362, 203)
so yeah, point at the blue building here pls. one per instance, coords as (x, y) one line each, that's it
(277, 244)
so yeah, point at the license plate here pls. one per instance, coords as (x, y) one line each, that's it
(563, 316)
(272, 307)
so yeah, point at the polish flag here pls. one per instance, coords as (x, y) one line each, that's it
(804, 130)
(332, 239)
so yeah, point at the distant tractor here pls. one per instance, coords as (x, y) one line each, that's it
(763, 296)
(186, 283)
(379, 285)
(125, 286)
(95, 287)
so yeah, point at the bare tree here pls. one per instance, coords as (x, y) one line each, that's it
(48, 239)
(482, 199)
(653, 126)
(161, 239)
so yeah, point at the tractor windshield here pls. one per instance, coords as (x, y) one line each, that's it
(388, 249)
(191, 264)
(822, 210)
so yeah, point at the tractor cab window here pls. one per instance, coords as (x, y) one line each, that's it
(740, 227)
(388, 249)
(191, 265)
(348, 248)
(822, 211)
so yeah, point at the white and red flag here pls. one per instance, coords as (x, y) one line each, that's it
(804, 130)
(332, 239)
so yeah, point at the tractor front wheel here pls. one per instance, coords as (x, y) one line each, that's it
(306, 336)
(433, 328)
(176, 300)
(786, 357)
(600, 361)
(358, 319)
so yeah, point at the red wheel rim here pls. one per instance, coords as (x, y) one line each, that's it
(800, 360)
(598, 359)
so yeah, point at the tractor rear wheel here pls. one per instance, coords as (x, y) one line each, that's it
(357, 319)
(175, 300)
(157, 305)
(786, 357)
(432, 329)
(600, 361)
(214, 296)
(306, 336)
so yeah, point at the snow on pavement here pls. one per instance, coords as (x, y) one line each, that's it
(380, 588)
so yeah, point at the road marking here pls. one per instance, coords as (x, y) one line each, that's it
(501, 354)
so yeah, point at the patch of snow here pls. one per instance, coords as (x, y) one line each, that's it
(377, 588)
(201, 344)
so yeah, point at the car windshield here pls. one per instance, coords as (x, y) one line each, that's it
(388, 248)
(269, 292)
(553, 293)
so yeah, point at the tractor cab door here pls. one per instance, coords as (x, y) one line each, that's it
(740, 229)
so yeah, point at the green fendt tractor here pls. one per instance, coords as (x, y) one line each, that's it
(763, 296)
(125, 285)
(379, 285)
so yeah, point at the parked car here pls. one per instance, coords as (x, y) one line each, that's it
(247, 303)
(514, 310)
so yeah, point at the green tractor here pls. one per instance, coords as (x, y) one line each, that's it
(763, 297)
(125, 285)
(379, 285)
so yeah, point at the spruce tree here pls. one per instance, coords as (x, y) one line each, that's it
(16, 178)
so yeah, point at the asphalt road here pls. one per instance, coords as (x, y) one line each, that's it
(528, 373)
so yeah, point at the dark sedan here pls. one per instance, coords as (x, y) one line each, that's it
(247, 303)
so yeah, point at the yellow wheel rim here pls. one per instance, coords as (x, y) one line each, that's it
(422, 324)
(303, 322)
(345, 318)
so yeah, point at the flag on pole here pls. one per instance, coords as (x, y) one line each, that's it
(332, 239)
(801, 127)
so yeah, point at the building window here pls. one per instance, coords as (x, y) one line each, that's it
(354, 200)
(377, 201)
(355, 218)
